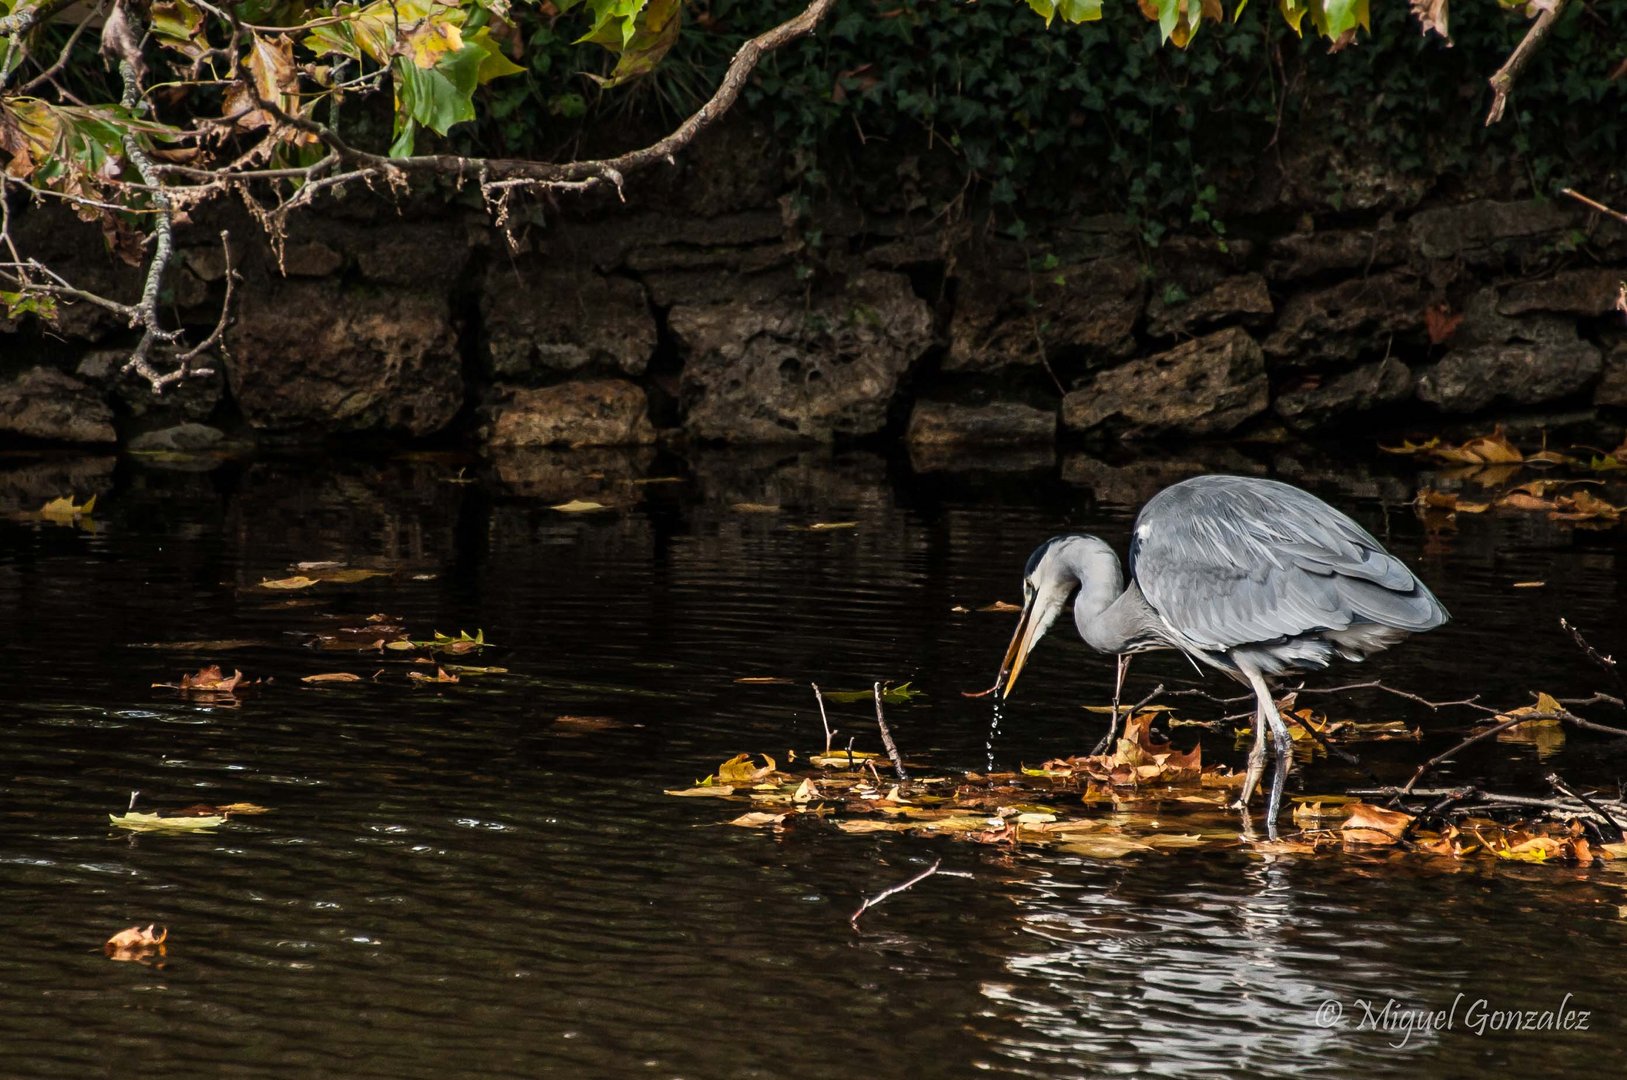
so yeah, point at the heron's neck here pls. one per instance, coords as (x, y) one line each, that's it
(1113, 619)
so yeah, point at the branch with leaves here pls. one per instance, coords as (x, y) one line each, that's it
(213, 102)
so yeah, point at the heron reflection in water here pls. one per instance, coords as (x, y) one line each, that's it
(1253, 577)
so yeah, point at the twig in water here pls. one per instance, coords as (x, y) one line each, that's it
(1606, 662)
(830, 733)
(887, 741)
(1106, 745)
(894, 890)
(1337, 751)
(1560, 786)
(1514, 721)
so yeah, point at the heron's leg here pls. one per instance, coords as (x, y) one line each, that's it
(1111, 738)
(1282, 745)
(1256, 761)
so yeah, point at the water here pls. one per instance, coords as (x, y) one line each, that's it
(455, 882)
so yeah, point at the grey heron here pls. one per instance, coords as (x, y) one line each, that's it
(1255, 578)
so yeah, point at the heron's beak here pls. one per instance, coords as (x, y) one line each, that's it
(1022, 640)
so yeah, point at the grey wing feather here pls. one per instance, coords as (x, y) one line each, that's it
(1229, 561)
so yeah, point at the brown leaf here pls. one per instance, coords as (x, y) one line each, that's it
(136, 943)
(1369, 824)
(1440, 322)
(440, 676)
(1432, 16)
(208, 680)
(331, 677)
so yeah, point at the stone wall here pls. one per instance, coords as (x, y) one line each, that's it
(654, 321)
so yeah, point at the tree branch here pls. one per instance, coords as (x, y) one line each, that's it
(1502, 83)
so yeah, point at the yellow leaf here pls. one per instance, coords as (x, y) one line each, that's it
(63, 509)
(332, 676)
(756, 819)
(298, 581)
(579, 506)
(712, 791)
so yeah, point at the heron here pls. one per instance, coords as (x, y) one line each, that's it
(1255, 578)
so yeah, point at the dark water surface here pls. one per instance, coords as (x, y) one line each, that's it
(453, 883)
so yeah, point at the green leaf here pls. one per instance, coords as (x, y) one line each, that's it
(494, 65)
(1045, 9)
(437, 97)
(1079, 11)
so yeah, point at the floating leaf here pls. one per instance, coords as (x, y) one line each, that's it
(136, 943)
(64, 510)
(208, 680)
(166, 823)
(440, 676)
(579, 506)
(298, 581)
(331, 677)
(1374, 825)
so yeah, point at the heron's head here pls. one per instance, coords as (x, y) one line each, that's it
(1054, 573)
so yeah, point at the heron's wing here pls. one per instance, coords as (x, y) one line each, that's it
(1229, 561)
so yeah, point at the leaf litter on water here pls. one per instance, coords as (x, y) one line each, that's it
(1144, 797)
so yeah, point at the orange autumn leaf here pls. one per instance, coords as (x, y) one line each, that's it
(1441, 323)
(208, 680)
(1369, 824)
(136, 943)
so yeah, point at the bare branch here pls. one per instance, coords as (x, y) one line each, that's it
(893, 891)
(887, 740)
(1502, 83)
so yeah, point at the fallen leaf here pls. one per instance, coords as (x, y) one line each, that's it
(463, 669)
(579, 506)
(824, 526)
(1000, 605)
(136, 943)
(1440, 322)
(754, 508)
(764, 680)
(588, 723)
(331, 677)
(1373, 825)
(166, 823)
(208, 680)
(221, 645)
(1529, 584)
(839, 759)
(440, 676)
(713, 791)
(64, 510)
(740, 770)
(891, 695)
(298, 581)
(756, 819)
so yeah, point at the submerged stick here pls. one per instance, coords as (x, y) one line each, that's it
(887, 740)
(894, 890)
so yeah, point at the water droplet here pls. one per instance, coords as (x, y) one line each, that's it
(994, 729)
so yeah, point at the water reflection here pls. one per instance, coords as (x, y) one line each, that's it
(455, 882)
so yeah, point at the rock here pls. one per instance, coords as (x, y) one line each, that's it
(790, 369)
(1308, 254)
(411, 254)
(1207, 386)
(1317, 400)
(181, 438)
(1570, 292)
(937, 423)
(1014, 318)
(1340, 323)
(44, 403)
(1243, 299)
(307, 357)
(556, 317)
(1486, 231)
(598, 412)
(1611, 392)
(1470, 379)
